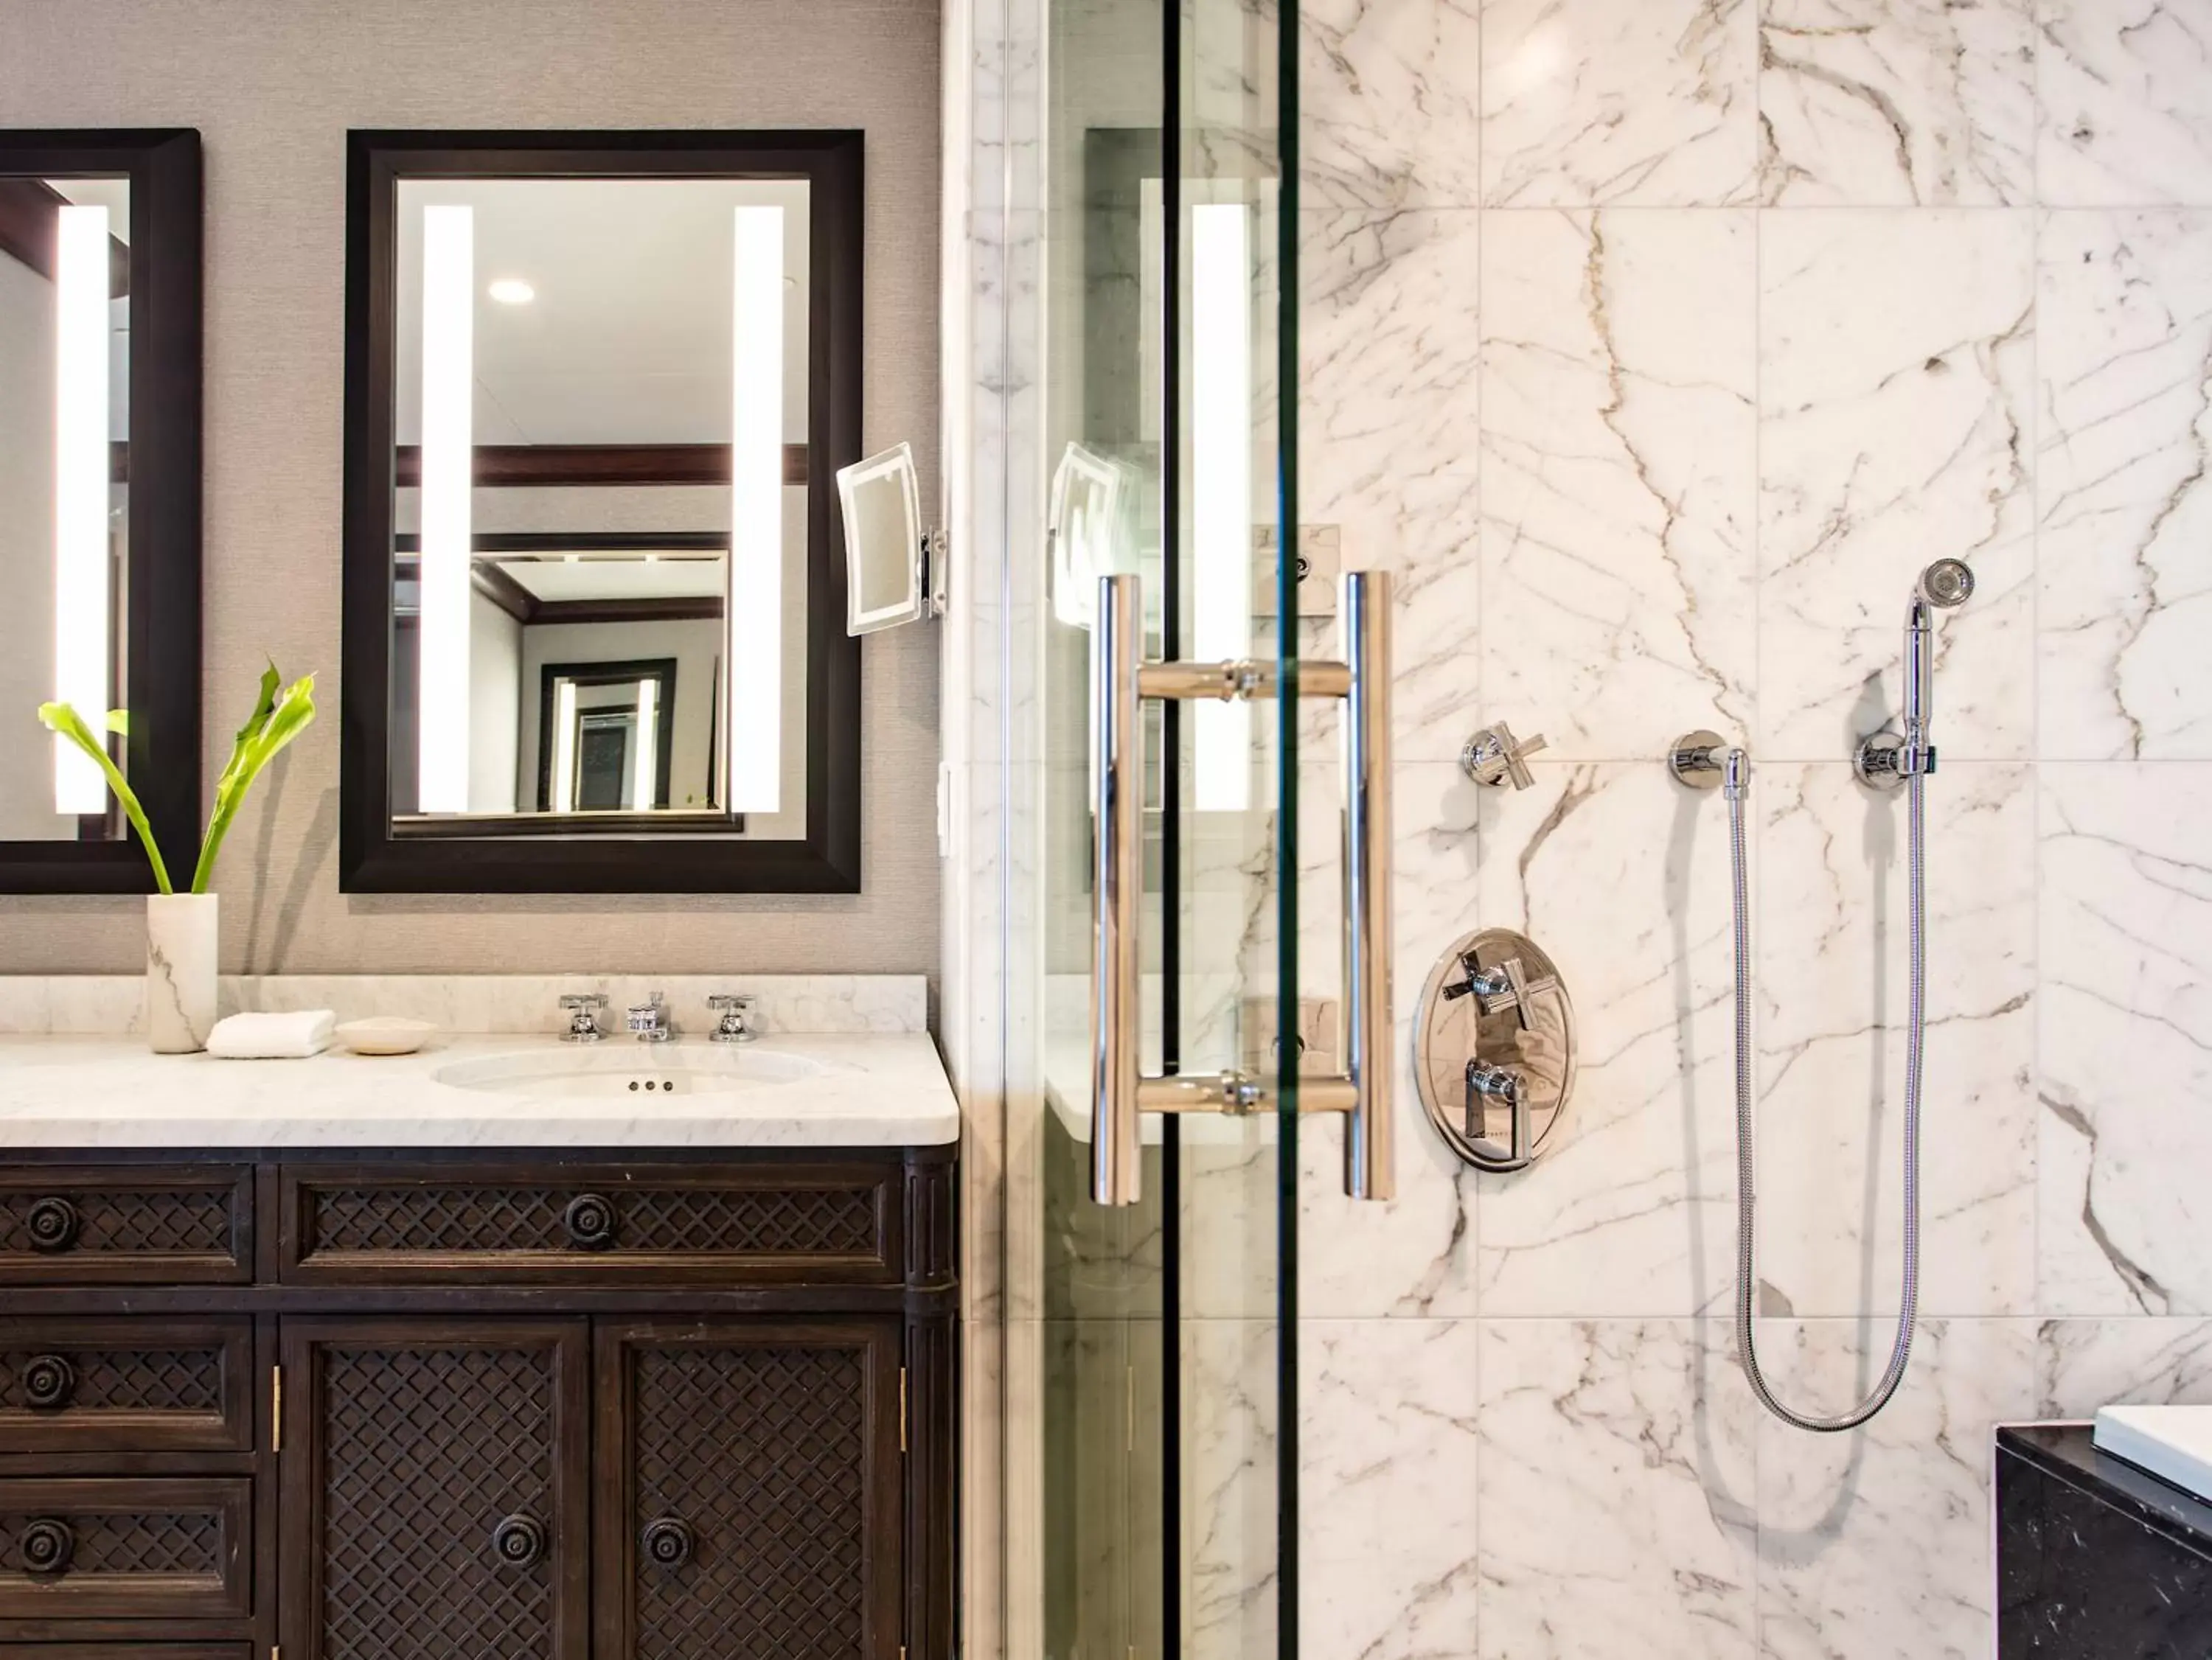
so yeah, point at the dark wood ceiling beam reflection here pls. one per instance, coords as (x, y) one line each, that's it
(511, 466)
(503, 590)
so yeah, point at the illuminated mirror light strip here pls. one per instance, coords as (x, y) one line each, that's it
(448, 445)
(1221, 491)
(81, 489)
(755, 607)
(644, 772)
(564, 746)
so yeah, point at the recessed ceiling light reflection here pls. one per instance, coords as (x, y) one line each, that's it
(512, 291)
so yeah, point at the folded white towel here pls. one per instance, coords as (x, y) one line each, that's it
(265, 1037)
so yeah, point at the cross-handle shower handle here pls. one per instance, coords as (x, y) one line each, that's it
(1494, 756)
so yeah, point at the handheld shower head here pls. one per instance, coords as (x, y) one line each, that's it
(1946, 583)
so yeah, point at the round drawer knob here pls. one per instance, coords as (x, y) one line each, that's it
(667, 1542)
(45, 1546)
(51, 1224)
(518, 1540)
(49, 1380)
(590, 1220)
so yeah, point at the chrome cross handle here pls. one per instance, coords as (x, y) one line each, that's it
(583, 1009)
(1493, 755)
(735, 1024)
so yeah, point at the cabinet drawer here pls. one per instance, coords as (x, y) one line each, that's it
(151, 1549)
(88, 1225)
(72, 1385)
(126, 1652)
(635, 1225)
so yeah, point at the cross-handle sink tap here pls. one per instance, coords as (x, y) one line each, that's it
(583, 1009)
(648, 1020)
(1493, 755)
(735, 1025)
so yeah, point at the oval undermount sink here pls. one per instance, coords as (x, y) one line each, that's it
(628, 1071)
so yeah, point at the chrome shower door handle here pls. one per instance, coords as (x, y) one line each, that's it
(1363, 611)
(1117, 644)
(1120, 680)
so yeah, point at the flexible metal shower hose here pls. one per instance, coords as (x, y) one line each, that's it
(1746, 1164)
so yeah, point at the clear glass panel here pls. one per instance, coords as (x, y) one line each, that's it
(1161, 1362)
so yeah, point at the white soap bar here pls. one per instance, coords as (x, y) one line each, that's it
(265, 1037)
(2172, 1443)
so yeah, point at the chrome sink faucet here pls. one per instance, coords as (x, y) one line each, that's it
(582, 1008)
(648, 1020)
(735, 1024)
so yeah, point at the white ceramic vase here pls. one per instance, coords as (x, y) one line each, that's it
(180, 961)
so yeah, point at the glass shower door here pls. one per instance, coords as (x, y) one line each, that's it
(1179, 666)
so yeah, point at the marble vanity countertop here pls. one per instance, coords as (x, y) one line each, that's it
(854, 1089)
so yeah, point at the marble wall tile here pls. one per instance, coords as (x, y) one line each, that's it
(1870, 103)
(1895, 348)
(1388, 1489)
(1832, 1015)
(1876, 1543)
(1389, 439)
(1617, 1491)
(1413, 1256)
(1231, 1389)
(1619, 454)
(2124, 309)
(2124, 88)
(2083, 1364)
(1622, 877)
(1388, 92)
(2126, 1125)
(1648, 103)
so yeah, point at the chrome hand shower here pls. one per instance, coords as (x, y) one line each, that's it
(1698, 761)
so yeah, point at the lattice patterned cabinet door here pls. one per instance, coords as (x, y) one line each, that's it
(747, 1493)
(434, 1496)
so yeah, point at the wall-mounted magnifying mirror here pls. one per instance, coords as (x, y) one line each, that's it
(99, 497)
(894, 571)
(599, 388)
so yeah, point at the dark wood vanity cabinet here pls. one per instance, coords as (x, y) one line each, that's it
(542, 1407)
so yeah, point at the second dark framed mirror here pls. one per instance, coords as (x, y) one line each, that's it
(99, 497)
(599, 386)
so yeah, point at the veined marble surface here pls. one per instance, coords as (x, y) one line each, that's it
(86, 1005)
(852, 1090)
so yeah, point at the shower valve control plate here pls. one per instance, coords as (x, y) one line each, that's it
(1494, 1050)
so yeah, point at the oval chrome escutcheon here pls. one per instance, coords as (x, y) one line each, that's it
(1494, 1050)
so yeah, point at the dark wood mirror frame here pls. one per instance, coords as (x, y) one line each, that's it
(161, 630)
(505, 855)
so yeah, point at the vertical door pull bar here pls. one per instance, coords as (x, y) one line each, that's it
(1363, 614)
(1117, 646)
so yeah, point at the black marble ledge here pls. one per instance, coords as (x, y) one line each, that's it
(2096, 1559)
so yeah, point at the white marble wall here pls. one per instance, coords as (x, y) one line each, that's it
(1658, 343)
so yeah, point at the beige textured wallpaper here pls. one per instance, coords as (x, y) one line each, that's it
(273, 85)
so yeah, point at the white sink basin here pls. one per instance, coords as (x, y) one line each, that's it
(627, 1070)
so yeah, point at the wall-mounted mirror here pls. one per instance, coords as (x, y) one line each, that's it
(99, 496)
(599, 389)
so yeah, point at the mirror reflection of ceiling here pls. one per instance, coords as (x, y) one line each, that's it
(625, 337)
(557, 580)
